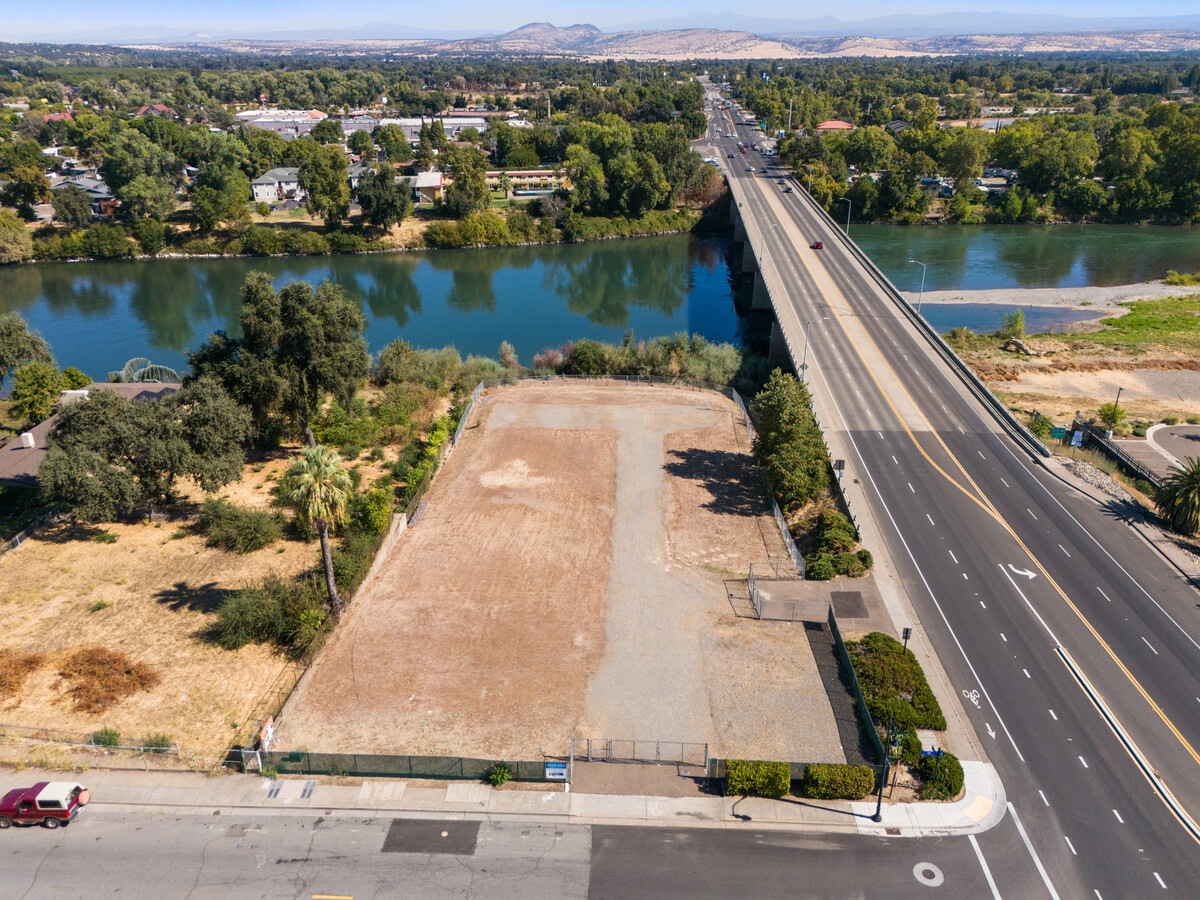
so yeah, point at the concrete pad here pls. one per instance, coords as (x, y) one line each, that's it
(381, 794)
(333, 795)
(604, 806)
(700, 809)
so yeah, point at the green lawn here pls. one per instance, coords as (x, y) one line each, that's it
(1172, 322)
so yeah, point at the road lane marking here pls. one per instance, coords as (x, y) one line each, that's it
(1043, 796)
(1084, 761)
(1158, 878)
(1033, 853)
(930, 518)
(1003, 638)
(894, 460)
(1118, 815)
(1147, 643)
(1064, 550)
(1027, 675)
(953, 557)
(1104, 595)
(1057, 643)
(984, 605)
(987, 873)
(965, 578)
(1030, 511)
(1005, 482)
(981, 456)
(911, 488)
(1053, 716)
(1068, 840)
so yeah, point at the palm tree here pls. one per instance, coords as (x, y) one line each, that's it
(1178, 499)
(318, 488)
(506, 184)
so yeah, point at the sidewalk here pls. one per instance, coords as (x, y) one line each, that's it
(250, 795)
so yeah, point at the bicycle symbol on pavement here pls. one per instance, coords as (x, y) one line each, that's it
(973, 696)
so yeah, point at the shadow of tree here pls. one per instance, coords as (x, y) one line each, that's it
(205, 598)
(730, 478)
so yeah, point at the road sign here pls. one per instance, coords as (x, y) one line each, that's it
(556, 771)
(1058, 433)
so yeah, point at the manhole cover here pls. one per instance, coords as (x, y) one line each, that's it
(928, 873)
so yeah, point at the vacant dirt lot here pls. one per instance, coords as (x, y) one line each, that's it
(567, 577)
(149, 594)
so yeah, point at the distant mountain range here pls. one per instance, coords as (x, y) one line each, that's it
(539, 39)
(894, 26)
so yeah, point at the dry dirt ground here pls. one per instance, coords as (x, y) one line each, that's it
(568, 577)
(149, 594)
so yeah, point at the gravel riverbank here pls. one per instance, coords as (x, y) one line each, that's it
(1107, 299)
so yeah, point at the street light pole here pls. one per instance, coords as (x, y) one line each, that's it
(810, 179)
(920, 296)
(849, 206)
(804, 361)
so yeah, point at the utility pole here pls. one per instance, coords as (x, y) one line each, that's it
(790, 115)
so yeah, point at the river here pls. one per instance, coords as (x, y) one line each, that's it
(97, 315)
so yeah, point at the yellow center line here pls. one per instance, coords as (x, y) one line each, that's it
(982, 500)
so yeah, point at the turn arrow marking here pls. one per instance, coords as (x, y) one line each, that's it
(991, 733)
(1025, 572)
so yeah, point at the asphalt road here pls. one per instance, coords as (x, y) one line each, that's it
(156, 856)
(1005, 565)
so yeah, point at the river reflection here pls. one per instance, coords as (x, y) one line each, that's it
(96, 315)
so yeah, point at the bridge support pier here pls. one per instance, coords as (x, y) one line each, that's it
(760, 298)
(739, 229)
(749, 260)
(778, 352)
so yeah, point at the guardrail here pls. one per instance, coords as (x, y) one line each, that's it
(1093, 435)
(1001, 413)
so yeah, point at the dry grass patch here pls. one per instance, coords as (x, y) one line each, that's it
(101, 677)
(15, 668)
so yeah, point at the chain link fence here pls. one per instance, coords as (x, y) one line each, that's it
(629, 751)
(370, 765)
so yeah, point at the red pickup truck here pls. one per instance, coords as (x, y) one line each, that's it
(49, 803)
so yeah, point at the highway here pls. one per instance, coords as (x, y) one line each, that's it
(1043, 605)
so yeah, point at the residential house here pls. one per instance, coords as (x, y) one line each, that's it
(102, 199)
(157, 109)
(426, 187)
(897, 126)
(357, 171)
(834, 125)
(277, 184)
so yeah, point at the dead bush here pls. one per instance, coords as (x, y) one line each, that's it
(101, 677)
(15, 668)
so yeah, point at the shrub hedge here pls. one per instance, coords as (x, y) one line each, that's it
(941, 777)
(892, 682)
(837, 781)
(285, 613)
(755, 778)
(237, 529)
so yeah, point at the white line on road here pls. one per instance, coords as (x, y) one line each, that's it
(1030, 511)
(930, 518)
(953, 557)
(1158, 878)
(1118, 815)
(1104, 595)
(1097, 893)
(1147, 643)
(894, 459)
(1084, 762)
(1003, 638)
(1043, 796)
(1064, 550)
(981, 456)
(984, 605)
(1030, 605)
(911, 488)
(987, 873)
(880, 433)
(1033, 853)
(1053, 716)
(965, 578)
(1027, 675)
(1068, 840)
(1005, 482)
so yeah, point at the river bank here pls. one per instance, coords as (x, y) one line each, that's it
(1105, 299)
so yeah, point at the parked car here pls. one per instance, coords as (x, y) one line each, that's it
(816, 245)
(48, 803)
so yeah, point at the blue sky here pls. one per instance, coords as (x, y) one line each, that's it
(22, 19)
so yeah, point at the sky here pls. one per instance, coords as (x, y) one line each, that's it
(20, 19)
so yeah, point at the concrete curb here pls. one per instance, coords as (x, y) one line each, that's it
(187, 793)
